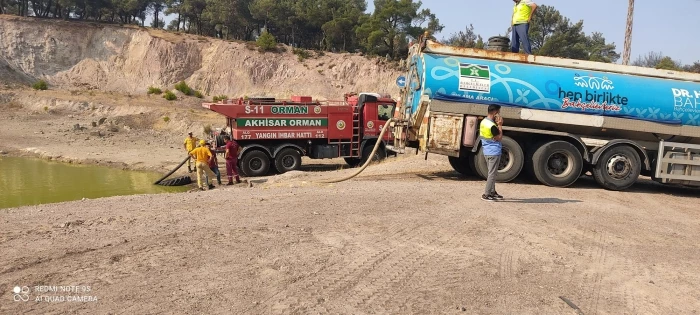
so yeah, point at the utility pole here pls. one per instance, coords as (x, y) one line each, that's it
(628, 34)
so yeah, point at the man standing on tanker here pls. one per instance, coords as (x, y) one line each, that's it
(231, 157)
(491, 133)
(520, 22)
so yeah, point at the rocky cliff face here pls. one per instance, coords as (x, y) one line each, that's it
(73, 55)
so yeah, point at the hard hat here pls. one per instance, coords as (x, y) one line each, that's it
(202, 142)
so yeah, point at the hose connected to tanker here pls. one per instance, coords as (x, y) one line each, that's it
(364, 166)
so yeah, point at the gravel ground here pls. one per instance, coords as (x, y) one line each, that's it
(408, 236)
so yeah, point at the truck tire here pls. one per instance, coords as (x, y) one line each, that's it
(255, 163)
(618, 168)
(287, 160)
(511, 163)
(177, 181)
(557, 164)
(473, 164)
(378, 156)
(461, 164)
(353, 162)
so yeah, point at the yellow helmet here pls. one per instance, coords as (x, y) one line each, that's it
(202, 142)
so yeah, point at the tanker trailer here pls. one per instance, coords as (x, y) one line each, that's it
(563, 117)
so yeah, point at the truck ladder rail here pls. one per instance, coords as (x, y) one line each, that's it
(355, 142)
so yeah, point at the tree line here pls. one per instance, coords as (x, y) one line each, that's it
(330, 25)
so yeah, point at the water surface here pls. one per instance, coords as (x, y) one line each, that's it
(30, 181)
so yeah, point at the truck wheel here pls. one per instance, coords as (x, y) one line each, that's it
(353, 162)
(378, 156)
(557, 164)
(461, 164)
(510, 165)
(474, 162)
(618, 168)
(255, 163)
(287, 160)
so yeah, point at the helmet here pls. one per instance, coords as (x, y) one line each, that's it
(202, 142)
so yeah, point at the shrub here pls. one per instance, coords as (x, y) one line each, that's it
(198, 94)
(46, 108)
(40, 85)
(154, 90)
(219, 98)
(207, 129)
(184, 88)
(169, 95)
(166, 119)
(266, 42)
(302, 53)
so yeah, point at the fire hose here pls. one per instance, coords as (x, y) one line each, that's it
(369, 160)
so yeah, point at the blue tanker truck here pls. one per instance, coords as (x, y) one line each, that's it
(564, 118)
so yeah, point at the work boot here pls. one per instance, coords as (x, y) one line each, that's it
(229, 183)
(211, 186)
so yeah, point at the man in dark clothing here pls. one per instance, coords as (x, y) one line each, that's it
(231, 157)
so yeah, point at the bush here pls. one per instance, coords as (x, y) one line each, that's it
(166, 119)
(184, 88)
(40, 85)
(219, 98)
(154, 90)
(198, 94)
(207, 129)
(302, 53)
(266, 42)
(169, 95)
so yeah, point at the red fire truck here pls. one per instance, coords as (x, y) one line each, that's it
(279, 132)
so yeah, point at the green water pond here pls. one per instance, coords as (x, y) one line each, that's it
(29, 181)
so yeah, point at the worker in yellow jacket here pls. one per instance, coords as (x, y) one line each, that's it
(203, 156)
(520, 22)
(190, 144)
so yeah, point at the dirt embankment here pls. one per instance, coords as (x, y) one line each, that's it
(100, 73)
(72, 55)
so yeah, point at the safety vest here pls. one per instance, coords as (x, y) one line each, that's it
(485, 129)
(522, 12)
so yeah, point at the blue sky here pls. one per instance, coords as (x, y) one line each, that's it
(667, 26)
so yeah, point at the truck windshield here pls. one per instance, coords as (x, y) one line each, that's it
(385, 111)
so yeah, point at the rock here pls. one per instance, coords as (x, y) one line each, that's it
(96, 133)
(102, 120)
(114, 129)
(94, 124)
(87, 138)
(76, 127)
(2, 152)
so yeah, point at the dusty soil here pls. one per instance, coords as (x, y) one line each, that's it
(87, 55)
(406, 236)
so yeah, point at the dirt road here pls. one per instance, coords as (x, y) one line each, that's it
(411, 242)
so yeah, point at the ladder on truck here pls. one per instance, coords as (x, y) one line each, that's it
(355, 141)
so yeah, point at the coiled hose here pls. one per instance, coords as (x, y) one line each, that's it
(369, 160)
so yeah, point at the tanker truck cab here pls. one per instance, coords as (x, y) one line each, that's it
(275, 134)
